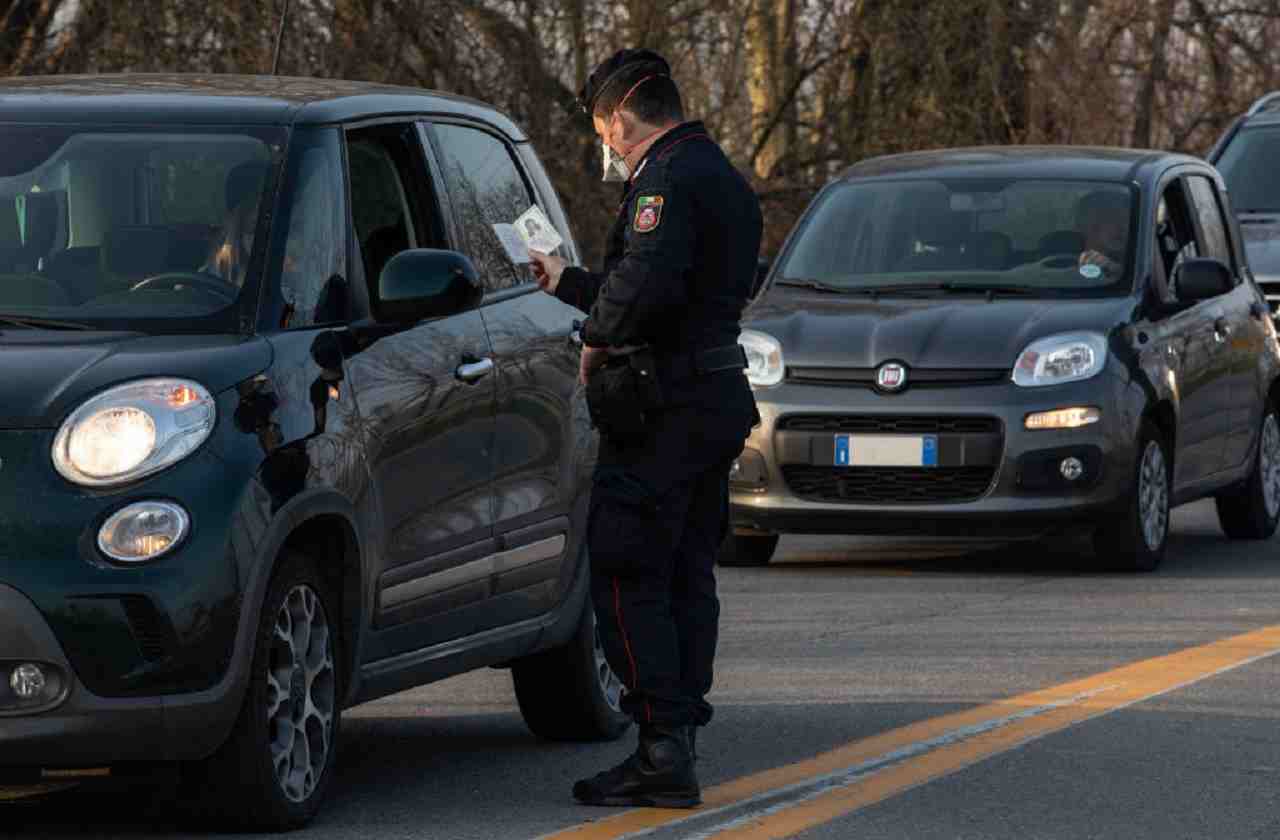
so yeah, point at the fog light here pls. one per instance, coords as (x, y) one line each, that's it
(27, 681)
(143, 531)
(1071, 468)
(748, 471)
(1064, 418)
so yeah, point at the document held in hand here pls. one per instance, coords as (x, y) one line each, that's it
(532, 231)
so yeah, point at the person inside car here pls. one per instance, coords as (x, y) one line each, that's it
(1102, 217)
(229, 254)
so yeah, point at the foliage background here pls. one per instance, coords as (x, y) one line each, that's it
(794, 89)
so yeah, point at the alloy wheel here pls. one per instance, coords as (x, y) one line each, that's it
(610, 685)
(1269, 464)
(301, 693)
(1153, 496)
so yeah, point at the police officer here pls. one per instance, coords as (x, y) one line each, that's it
(677, 274)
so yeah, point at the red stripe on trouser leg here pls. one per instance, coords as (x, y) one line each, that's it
(626, 644)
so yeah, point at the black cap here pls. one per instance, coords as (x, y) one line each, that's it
(611, 69)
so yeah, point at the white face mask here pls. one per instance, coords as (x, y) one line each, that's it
(615, 166)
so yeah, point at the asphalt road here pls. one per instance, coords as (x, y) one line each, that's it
(895, 689)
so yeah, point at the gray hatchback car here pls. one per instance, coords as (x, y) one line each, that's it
(1011, 343)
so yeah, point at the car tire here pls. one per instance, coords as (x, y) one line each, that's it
(747, 550)
(570, 693)
(253, 782)
(1252, 511)
(1136, 539)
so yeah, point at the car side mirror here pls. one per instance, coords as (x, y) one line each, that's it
(1201, 279)
(425, 283)
(762, 272)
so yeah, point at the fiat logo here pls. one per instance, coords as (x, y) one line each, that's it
(891, 376)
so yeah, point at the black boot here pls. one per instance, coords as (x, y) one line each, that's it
(659, 774)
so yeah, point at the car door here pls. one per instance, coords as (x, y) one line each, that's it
(1193, 353)
(427, 392)
(1240, 332)
(536, 371)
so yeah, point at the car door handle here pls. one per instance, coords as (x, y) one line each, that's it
(474, 370)
(1221, 329)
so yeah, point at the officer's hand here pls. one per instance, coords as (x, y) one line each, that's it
(547, 270)
(592, 359)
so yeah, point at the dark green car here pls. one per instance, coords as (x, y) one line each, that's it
(283, 429)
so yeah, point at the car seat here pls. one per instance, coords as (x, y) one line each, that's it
(76, 271)
(134, 253)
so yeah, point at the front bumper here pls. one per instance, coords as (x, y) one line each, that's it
(1020, 496)
(85, 730)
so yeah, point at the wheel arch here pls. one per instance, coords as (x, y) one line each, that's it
(329, 539)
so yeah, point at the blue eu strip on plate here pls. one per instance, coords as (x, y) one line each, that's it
(842, 450)
(929, 457)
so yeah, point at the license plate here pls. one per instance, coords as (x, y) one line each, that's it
(886, 451)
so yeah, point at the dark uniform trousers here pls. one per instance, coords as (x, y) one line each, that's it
(678, 271)
(659, 511)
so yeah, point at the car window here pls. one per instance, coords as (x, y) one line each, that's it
(388, 208)
(1175, 236)
(485, 188)
(131, 227)
(1248, 166)
(1049, 235)
(312, 262)
(1213, 227)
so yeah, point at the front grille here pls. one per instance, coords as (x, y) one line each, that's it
(916, 377)
(889, 485)
(890, 424)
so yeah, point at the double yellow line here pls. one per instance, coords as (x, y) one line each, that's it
(787, 800)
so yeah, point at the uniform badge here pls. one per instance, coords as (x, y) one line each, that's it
(648, 213)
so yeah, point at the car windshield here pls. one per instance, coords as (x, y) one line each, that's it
(1021, 237)
(1248, 165)
(122, 228)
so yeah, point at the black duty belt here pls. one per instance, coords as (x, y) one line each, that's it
(702, 363)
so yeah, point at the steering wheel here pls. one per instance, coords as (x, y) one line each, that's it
(1059, 261)
(173, 280)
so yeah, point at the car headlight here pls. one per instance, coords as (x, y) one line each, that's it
(764, 358)
(132, 431)
(1069, 357)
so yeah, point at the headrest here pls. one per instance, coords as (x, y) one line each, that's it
(244, 181)
(1062, 242)
(136, 252)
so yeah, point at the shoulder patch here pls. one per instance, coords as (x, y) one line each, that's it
(648, 213)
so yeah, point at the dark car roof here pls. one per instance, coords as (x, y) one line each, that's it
(213, 99)
(1068, 162)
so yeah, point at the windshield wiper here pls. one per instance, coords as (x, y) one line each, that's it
(815, 285)
(41, 323)
(943, 287)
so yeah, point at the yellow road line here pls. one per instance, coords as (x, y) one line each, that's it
(1015, 721)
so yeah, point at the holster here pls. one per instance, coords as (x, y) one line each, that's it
(623, 395)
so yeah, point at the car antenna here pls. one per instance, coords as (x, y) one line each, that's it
(284, 17)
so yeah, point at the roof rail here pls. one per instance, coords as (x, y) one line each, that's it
(1265, 103)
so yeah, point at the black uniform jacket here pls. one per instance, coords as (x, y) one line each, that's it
(681, 256)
